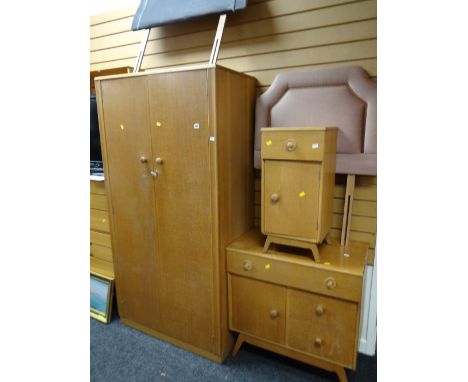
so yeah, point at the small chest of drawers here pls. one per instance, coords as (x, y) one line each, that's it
(287, 303)
(298, 176)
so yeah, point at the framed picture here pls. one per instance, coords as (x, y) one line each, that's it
(101, 298)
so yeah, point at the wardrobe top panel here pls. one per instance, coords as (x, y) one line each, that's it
(182, 68)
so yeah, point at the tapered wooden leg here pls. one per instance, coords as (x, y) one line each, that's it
(340, 371)
(267, 244)
(292, 242)
(328, 239)
(239, 342)
(315, 252)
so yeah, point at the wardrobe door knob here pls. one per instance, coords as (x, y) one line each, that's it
(319, 310)
(248, 265)
(274, 198)
(274, 314)
(159, 161)
(143, 159)
(330, 282)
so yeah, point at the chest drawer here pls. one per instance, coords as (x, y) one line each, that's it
(323, 326)
(313, 278)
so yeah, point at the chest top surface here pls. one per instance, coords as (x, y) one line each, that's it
(351, 259)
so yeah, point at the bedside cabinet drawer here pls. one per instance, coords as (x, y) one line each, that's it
(257, 308)
(322, 326)
(293, 144)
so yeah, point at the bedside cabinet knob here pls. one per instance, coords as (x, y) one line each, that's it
(291, 145)
(248, 265)
(319, 310)
(274, 198)
(318, 342)
(274, 314)
(330, 283)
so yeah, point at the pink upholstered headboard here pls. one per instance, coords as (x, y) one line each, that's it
(344, 97)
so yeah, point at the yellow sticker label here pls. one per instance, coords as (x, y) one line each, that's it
(326, 263)
(301, 194)
(267, 266)
(269, 142)
(122, 126)
(158, 124)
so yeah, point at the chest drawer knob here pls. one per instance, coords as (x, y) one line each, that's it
(291, 145)
(274, 314)
(319, 310)
(330, 282)
(318, 342)
(248, 265)
(274, 198)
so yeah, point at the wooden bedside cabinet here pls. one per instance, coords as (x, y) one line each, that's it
(287, 303)
(298, 176)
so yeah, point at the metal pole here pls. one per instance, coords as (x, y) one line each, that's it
(217, 40)
(139, 58)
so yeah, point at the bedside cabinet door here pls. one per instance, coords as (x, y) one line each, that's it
(291, 195)
(258, 308)
(322, 326)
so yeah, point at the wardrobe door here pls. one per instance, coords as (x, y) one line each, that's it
(178, 104)
(125, 135)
